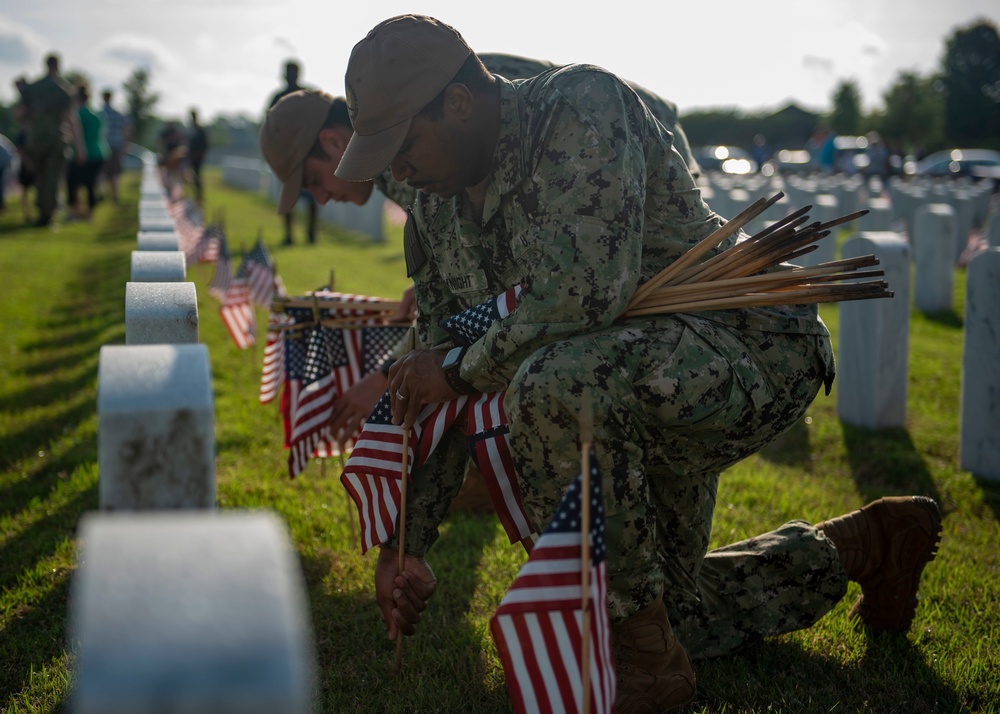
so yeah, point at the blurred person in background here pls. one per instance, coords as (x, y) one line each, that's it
(51, 129)
(118, 130)
(197, 147)
(89, 151)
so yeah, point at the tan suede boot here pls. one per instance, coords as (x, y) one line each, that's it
(654, 671)
(884, 548)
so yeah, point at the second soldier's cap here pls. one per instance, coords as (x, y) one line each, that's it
(289, 131)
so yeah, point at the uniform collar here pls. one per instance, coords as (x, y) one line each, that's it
(508, 163)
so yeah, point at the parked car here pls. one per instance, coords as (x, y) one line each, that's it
(728, 159)
(977, 163)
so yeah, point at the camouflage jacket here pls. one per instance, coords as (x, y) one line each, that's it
(587, 199)
(49, 101)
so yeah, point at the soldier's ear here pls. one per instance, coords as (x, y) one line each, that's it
(333, 140)
(458, 101)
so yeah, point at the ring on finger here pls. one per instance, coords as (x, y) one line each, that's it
(399, 395)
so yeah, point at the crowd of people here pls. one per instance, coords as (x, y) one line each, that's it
(65, 143)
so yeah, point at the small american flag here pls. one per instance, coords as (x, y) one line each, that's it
(208, 244)
(260, 273)
(238, 314)
(374, 470)
(223, 272)
(312, 363)
(273, 372)
(470, 325)
(537, 627)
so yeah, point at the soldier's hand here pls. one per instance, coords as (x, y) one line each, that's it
(355, 405)
(415, 380)
(402, 597)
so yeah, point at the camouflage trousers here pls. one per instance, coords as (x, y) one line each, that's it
(675, 401)
(50, 168)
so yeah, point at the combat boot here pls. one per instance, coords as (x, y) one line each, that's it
(884, 548)
(654, 671)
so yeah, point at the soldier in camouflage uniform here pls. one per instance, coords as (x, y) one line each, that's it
(566, 182)
(48, 102)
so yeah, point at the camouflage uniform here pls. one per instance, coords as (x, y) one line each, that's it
(587, 199)
(48, 102)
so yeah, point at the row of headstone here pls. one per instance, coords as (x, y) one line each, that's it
(175, 606)
(873, 344)
(255, 175)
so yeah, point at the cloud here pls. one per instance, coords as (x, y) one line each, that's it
(823, 64)
(138, 50)
(19, 44)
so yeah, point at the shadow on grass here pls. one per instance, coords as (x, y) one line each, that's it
(791, 448)
(354, 652)
(885, 462)
(779, 675)
(945, 318)
(991, 494)
(39, 480)
(38, 541)
(34, 639)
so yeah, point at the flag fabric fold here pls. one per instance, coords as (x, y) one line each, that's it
(373, 472)
(222, 276)
(538, 625)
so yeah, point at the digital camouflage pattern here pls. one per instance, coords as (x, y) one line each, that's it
(588, 198)
(514, 67)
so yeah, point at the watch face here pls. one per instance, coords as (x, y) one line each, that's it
(453, 357)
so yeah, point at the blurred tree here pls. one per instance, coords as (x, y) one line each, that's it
(76, 77)
(971, 78)
(913, 120)
(140, 102)
(846, 115)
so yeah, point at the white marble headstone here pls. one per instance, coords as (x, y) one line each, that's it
(200, 613)
(158, 266)
(156, 427)
(160, 313)
(934, 237)
(872, 355)
(979, 443)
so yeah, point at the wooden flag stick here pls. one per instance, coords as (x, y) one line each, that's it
(780, 230)
(796, 296)
(705, 245)
(586, 440)
(401, 563)
(350, 501)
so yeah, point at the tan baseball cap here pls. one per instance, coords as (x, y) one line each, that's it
(393, 73)
(289, 131)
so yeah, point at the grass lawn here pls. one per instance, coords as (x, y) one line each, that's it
(63, 298)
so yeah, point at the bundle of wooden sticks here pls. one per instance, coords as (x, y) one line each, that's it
(739, 277)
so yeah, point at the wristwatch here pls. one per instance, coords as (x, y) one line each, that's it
(451, 366)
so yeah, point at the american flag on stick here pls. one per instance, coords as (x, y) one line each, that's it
(373, 472)
(260, 273)
(552, 628)
(223, 275)
(238, 313)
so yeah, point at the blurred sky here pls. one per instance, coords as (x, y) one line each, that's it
(227, 56)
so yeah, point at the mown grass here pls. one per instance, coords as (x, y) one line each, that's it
(63, 297)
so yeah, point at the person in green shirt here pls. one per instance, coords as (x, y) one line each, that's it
(88, 154)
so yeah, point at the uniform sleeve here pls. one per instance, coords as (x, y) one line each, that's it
(577, 221)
